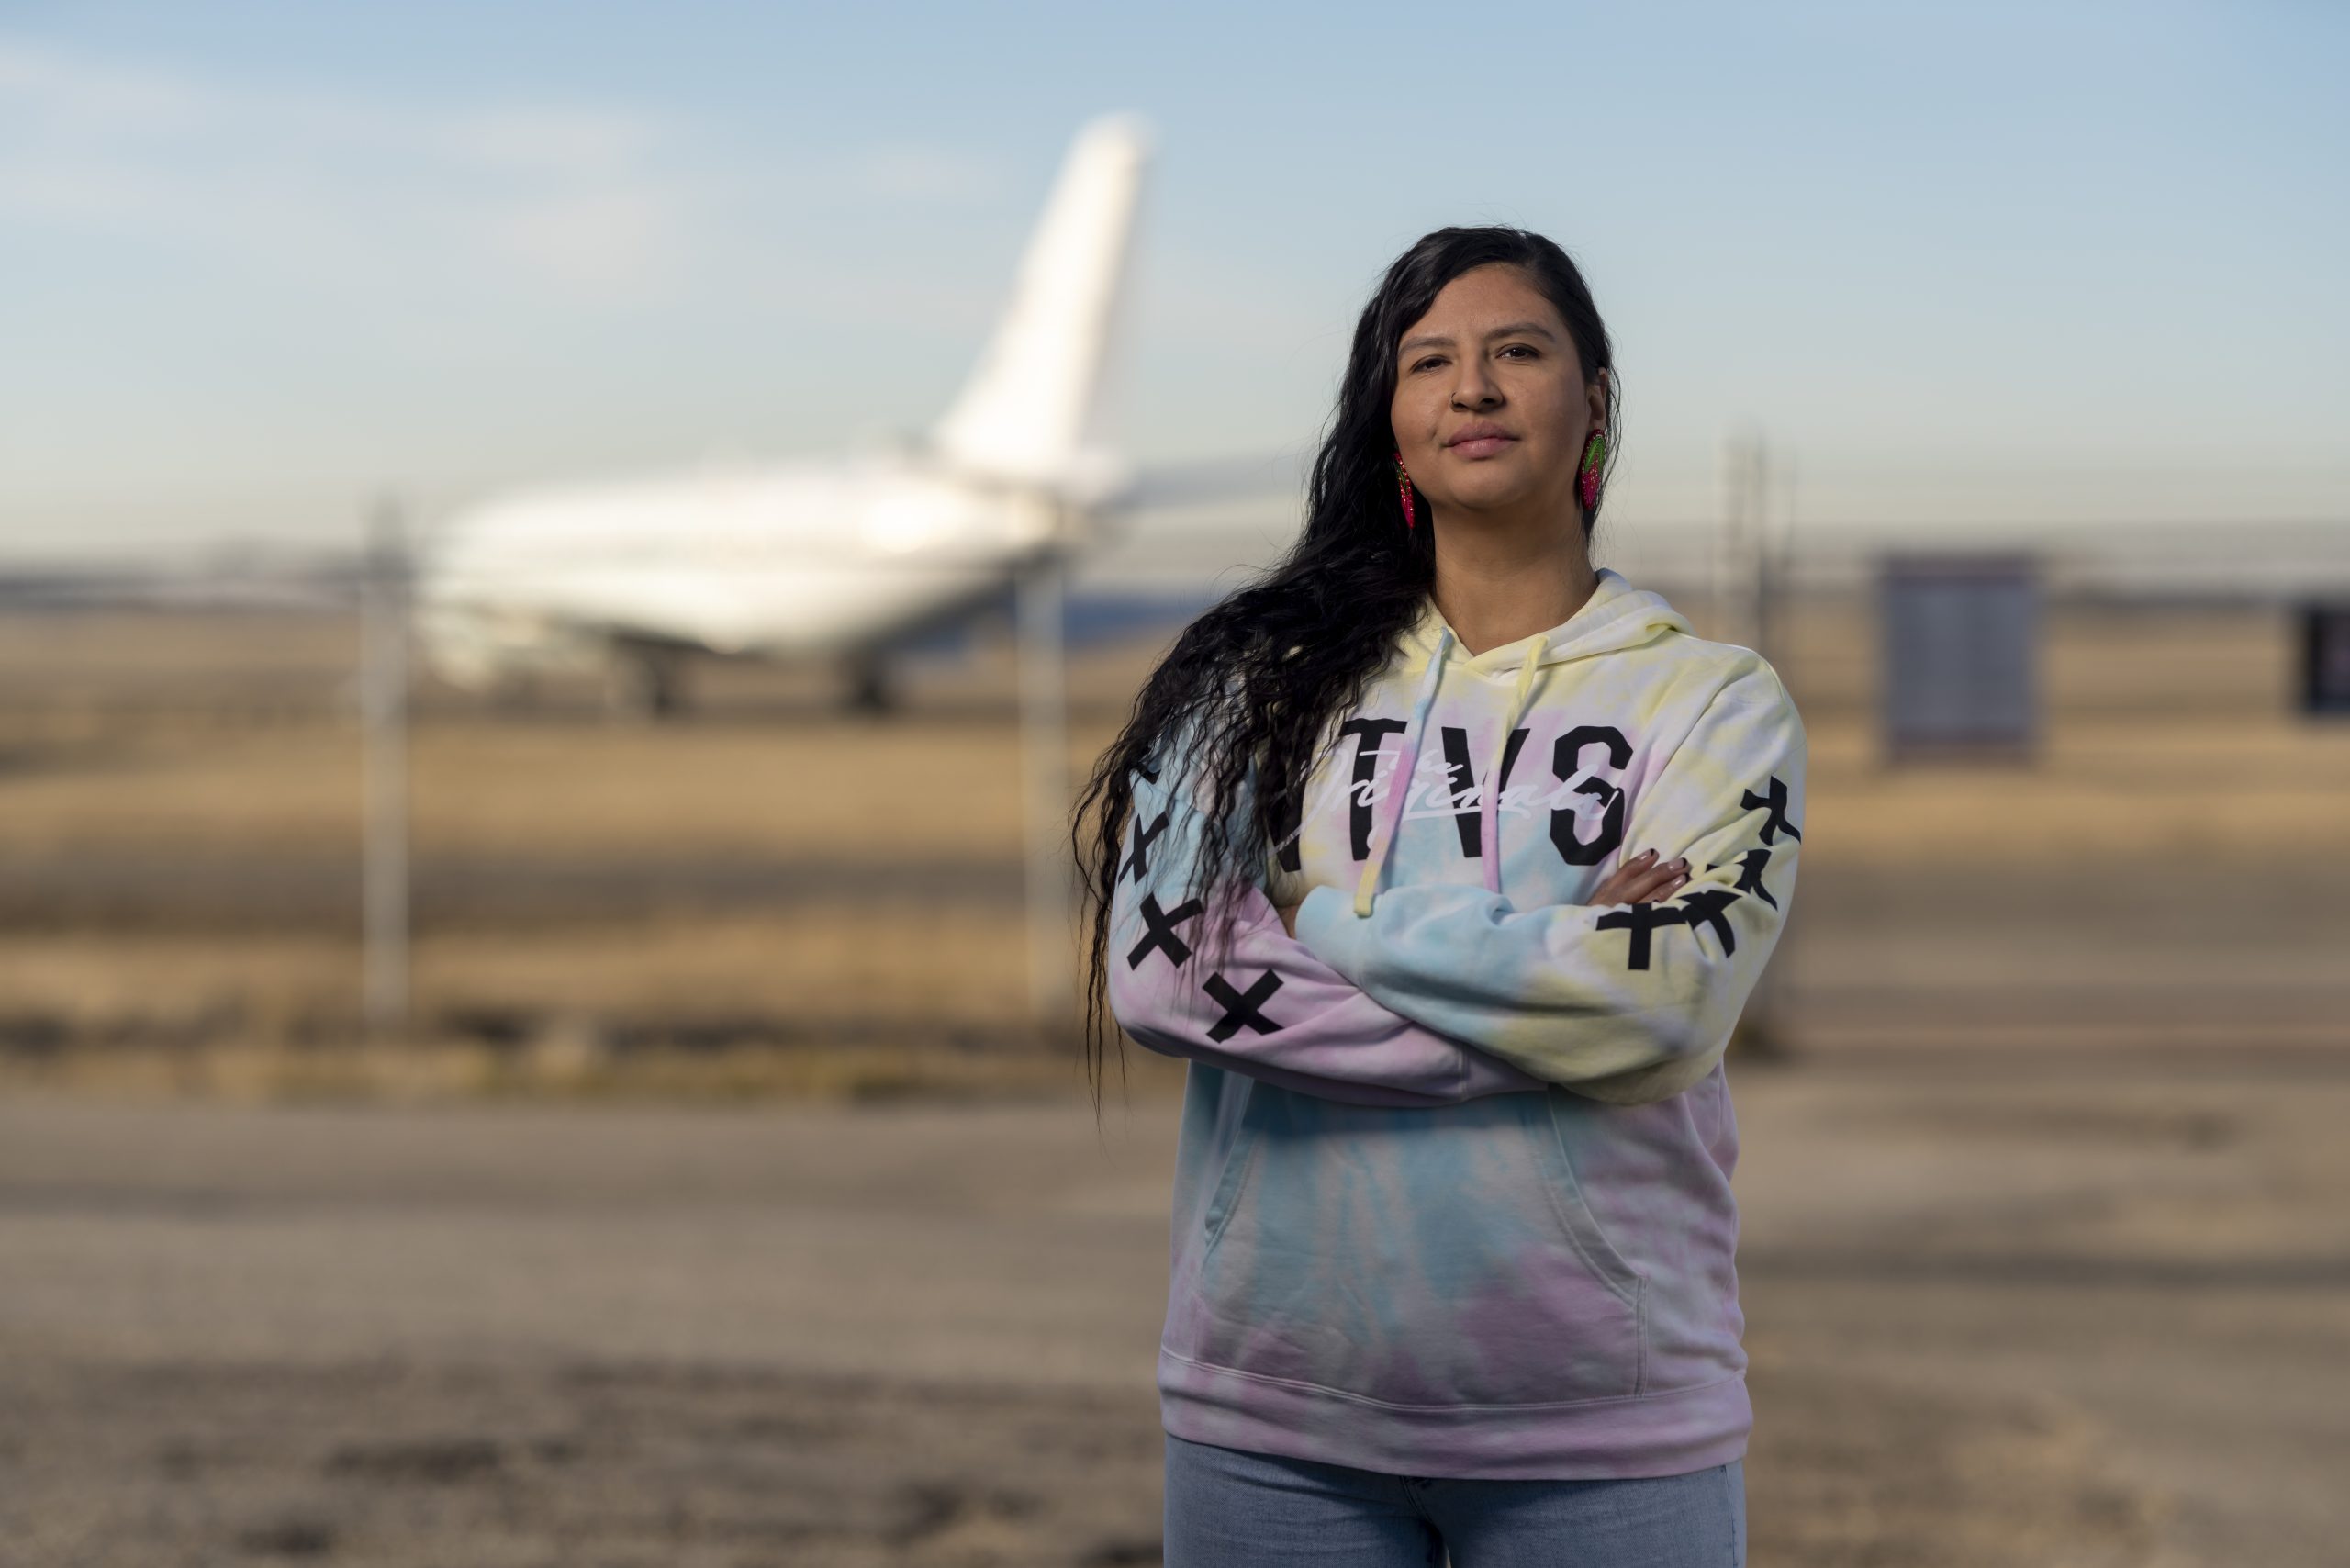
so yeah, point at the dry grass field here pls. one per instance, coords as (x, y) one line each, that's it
(768, 879)
(725, 1207)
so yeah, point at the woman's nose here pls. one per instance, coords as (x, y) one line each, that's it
(1475, 390)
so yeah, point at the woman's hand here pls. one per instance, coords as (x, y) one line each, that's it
(1638, 880)
(1641, 881)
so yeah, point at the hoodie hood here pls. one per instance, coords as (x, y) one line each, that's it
(1616, 615)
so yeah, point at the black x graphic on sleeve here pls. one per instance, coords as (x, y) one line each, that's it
(1239, 1008)
(1138, 862)
(1704, 908)
(1639, 919)
(1776, 798)
(1160, 930)
(1751, 866)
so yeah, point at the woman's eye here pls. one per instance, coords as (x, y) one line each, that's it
(1528, 348)
(1432, 359)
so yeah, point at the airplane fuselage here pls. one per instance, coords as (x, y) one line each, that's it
(775, 560)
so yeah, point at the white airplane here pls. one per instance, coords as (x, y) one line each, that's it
(854, 558)
(846, 558)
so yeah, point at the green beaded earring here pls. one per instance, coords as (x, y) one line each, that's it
(1587, 482)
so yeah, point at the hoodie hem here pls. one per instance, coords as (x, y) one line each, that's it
(1668, 1433)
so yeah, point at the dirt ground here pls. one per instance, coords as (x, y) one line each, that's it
(724, 1206)
(2046, 1315)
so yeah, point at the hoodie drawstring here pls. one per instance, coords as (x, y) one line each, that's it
(1489, 825)
(1616, 616)
(1404, 773)
(1489, 808)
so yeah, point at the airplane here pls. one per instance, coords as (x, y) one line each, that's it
(851, 558)
(864, 556)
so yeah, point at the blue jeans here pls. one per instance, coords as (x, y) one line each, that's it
(1227, 1509)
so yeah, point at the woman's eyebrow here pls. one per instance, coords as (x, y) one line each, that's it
(1514, 328)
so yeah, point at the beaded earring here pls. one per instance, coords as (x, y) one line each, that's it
(1587, 482)
(1403, 485)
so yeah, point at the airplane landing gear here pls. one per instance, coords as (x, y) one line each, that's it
(643, 683)
(869, 691)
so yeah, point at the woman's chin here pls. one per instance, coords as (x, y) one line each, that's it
(1493, 494)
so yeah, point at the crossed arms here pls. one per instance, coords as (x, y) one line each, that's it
(1444, 992)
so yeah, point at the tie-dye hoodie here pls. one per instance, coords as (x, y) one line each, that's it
(1452, 1192)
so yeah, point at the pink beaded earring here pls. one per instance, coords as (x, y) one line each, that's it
(1403, 483)
(1587, 482)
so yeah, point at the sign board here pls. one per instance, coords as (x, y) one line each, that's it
(1960, 638)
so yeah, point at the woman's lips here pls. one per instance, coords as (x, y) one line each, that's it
(1480, 446)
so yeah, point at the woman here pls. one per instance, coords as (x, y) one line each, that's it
(1448, 860)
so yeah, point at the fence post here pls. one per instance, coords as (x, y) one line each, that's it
(1044, 767)
(383, 709)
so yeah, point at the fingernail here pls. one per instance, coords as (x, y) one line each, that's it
(1645, 854)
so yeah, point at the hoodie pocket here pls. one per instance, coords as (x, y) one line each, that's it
(1417, 1257)
(1576, 1215)
(1235, 1174)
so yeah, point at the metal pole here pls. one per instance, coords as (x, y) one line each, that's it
(1767, 1006)
(1744, 568)
(1759, 549)
(382, 703)
(1044, 767)
(1782, 538)
(1733, 616)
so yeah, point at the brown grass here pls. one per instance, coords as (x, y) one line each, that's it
(225, 744)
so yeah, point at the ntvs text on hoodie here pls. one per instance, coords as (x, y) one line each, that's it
(1452, 1192)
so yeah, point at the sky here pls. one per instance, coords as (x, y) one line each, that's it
(259, 260)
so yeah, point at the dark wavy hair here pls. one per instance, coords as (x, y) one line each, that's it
(1258, 678)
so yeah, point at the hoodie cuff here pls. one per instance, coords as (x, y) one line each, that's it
(1329, 929)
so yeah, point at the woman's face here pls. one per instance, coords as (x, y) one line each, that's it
(1492, 355)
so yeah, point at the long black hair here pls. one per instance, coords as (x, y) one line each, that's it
(1259, 677)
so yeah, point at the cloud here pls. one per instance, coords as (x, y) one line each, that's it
(599, 242)
(372, 196)
(73, 95)
(928, 173)
(340, 186)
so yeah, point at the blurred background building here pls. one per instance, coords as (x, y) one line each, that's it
(559, 568)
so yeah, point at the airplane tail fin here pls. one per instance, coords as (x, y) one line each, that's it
(1033, 409)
